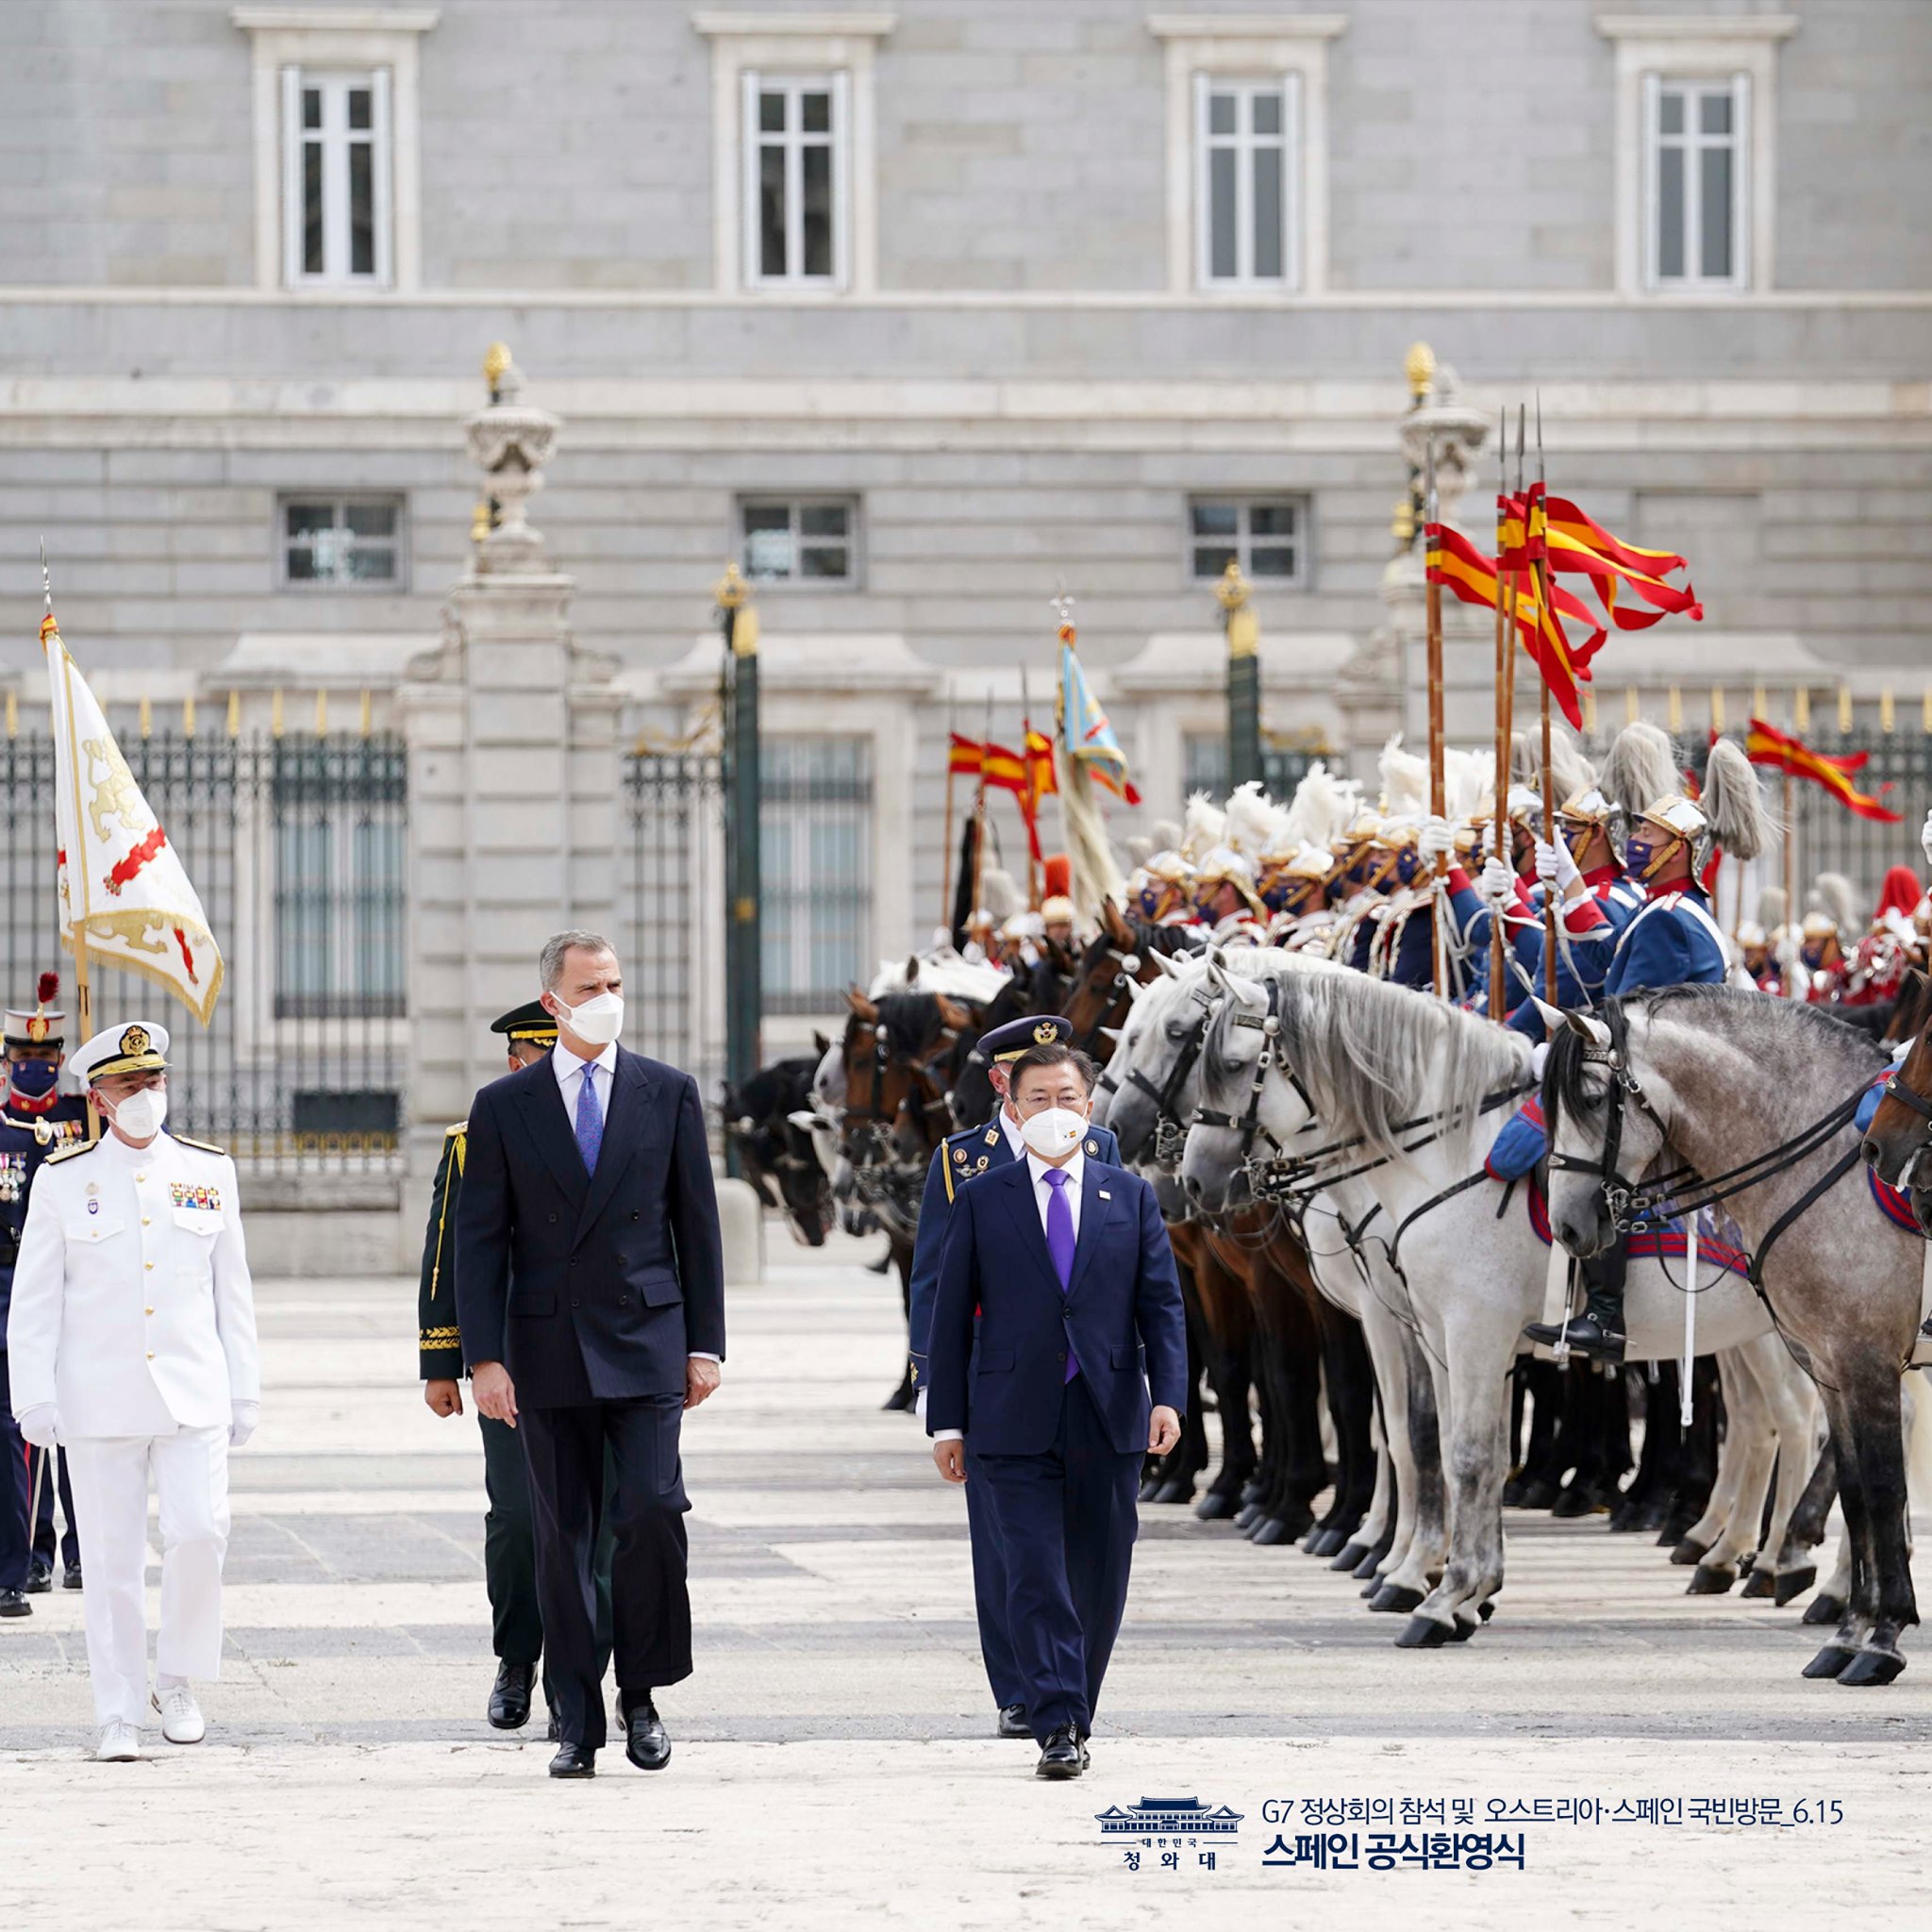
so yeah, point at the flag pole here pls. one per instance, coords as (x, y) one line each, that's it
(1792, 937)
(1034, 882)
(979, 810)
(1506, 710)
(946, 840)
(1541, 573)
(1432, 595)
(83, 1005)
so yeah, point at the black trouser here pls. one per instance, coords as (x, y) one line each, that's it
(509, 1557)
(69, 1544)
(16, 1532)
(1603, 1283)
(564, 1450)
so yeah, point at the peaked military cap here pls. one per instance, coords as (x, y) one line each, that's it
(532, 1022)
(45, 1024)
(138, 1046)
(1008, 1043)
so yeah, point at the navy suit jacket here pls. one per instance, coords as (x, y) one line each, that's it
(958, 1159)
(590, 1288)
(1121, 1314)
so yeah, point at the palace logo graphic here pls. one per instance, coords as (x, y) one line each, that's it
(1171, 1819)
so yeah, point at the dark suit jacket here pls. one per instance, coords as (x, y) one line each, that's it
(1121, 1314)
(589, 1289)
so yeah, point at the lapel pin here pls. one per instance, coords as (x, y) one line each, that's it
(1104, 1195)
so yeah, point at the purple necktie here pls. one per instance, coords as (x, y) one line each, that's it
(1059, 1242)
(589, 1122)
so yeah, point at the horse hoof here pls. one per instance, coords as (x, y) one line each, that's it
(1395, 1596)
(1215, 1507)
(1244, 1517)
(1823, 1610)
(1760, 1583)
(1628, 1516)
(1324, 1542)
(1425, 1633)
(1465, 1629)
(1793, 1583)
(1513, 1492)
(1180, 1489)
(1148, 1485)
(1579, 1499)
(1536, 1494)
(1348, 1557)
(1269, 1531)
(1871, 1667)
(1487, 1609)
(1708, 1582)
(1832, 1662)
(1369, 1565)
(1689, 1551)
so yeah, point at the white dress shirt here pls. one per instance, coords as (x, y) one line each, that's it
(1075, 1172)
(571, 1076)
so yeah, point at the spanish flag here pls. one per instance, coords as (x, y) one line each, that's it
(1002, 770)
(1457, 564)
(1766, 745)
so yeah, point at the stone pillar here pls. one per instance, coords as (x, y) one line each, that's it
(514, 779)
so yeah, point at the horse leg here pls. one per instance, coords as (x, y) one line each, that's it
(1170, 1478)
(1229, 1377)
(906, 1396)
(1878, 1416)
(1537, 1482)
(1854, 1618)
(1351, 1391)
(1697, 1470)
(1648, 1500)
(1390, 1521)
(1722, 1499)
(1750, 1446)
(1603, 1445)
(1782, 1572)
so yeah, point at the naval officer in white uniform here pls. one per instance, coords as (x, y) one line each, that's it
(132, 1345)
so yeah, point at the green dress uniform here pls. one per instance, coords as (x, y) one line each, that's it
(509, 1549)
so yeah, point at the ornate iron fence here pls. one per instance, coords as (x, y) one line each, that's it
(1205, 767)
(297, 848)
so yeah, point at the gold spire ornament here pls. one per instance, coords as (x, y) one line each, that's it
(495, 364)
(1419, 365)
(733, 598)
(1238, 612)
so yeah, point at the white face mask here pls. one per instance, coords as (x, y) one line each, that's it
(140, 1115)
(598, 1021)
(1055, 1132)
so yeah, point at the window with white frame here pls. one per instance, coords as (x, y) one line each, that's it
(342, 542)
(1263, 534)
(800, 540)
(1246, 142)
(794, 180)
(336, 178)
(1695, 142)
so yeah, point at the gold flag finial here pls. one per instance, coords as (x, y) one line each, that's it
(1237, 614)
(732, 595)
(496, 360)
(1419, 365)
(732, 590)
(480, 521)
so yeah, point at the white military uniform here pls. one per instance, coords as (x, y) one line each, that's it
(133, 1315)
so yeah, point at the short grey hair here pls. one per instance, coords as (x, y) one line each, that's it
(550, 961)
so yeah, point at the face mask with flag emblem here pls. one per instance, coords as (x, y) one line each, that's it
(1055, 1131)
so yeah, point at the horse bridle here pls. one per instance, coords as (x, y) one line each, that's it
(1617, 1190)
(1128, 964)
(1896, 1089)
(876, 1123)
(1248, 1124)
(1169, 1130)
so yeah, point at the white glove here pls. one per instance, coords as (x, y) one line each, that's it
(41, 1424)
(1925, 838)
(1496, 888)
(1537, 1055)
(1437, 839)
(1788, 950)
(1554, 864)
(245, 1415)
(919, 1405)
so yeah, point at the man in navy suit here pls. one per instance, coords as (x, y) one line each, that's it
(1077, 1367)
(959, 1158)
(591, 1295)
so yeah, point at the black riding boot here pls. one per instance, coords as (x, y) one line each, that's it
(1598, 1332)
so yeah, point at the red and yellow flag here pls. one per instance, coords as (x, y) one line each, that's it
(1028, 776)
(1457, 564)
(1764, 745)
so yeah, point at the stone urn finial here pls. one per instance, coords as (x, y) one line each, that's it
(510, 441)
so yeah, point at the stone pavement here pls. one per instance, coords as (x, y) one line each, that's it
(832, 1757)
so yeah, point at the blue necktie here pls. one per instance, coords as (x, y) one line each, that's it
(589, 1122)
(1059, 1242)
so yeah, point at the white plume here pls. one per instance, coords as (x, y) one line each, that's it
(1322, 806)
(1203, 828)
(1404, 781)
(1468, 777)
(1255, 823)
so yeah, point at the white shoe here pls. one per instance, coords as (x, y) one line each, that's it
(181, 1718)
(120, 1745)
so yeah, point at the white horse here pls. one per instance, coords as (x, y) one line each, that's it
(1422, 1088)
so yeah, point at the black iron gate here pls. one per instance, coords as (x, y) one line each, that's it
(297, 847)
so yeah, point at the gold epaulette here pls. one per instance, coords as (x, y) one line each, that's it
(205, 1147)
(79, 1147)
(452, 1133)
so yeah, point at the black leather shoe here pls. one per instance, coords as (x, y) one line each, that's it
(510, 1696)
(645, 1742)
(39, 1577)
(1061, 1756)
(1585, 1336)
(70, 1578)
(1012, 1722)
(573, 1761)
(13, 1602)
(553, 1733)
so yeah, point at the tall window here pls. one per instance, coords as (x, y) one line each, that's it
(1245, 139)
(800, 540)
(1263, 534)
(794, 180)
(335, 543)
(1696, 147)
(336, 195)
(815, 865)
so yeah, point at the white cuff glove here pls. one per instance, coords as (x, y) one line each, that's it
(245, 1415)
(1787, 949)
(1554, 864)
(1497, 885)
(919, 1405)
(1925, 838)
(41, 1424)
(1437, 839)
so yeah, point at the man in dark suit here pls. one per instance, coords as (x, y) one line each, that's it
(1078, 1366)
(591, 1295)
(959, 1158)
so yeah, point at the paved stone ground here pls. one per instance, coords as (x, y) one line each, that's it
(832, 1756)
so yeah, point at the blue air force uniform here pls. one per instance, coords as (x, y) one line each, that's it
(959, 1158)
(32, 1127)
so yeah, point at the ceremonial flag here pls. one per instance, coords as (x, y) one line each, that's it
(126, 898)
(1028, 776)
(1086, 753)
(1457, 564)
(1084, 734)
(1766, 745)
